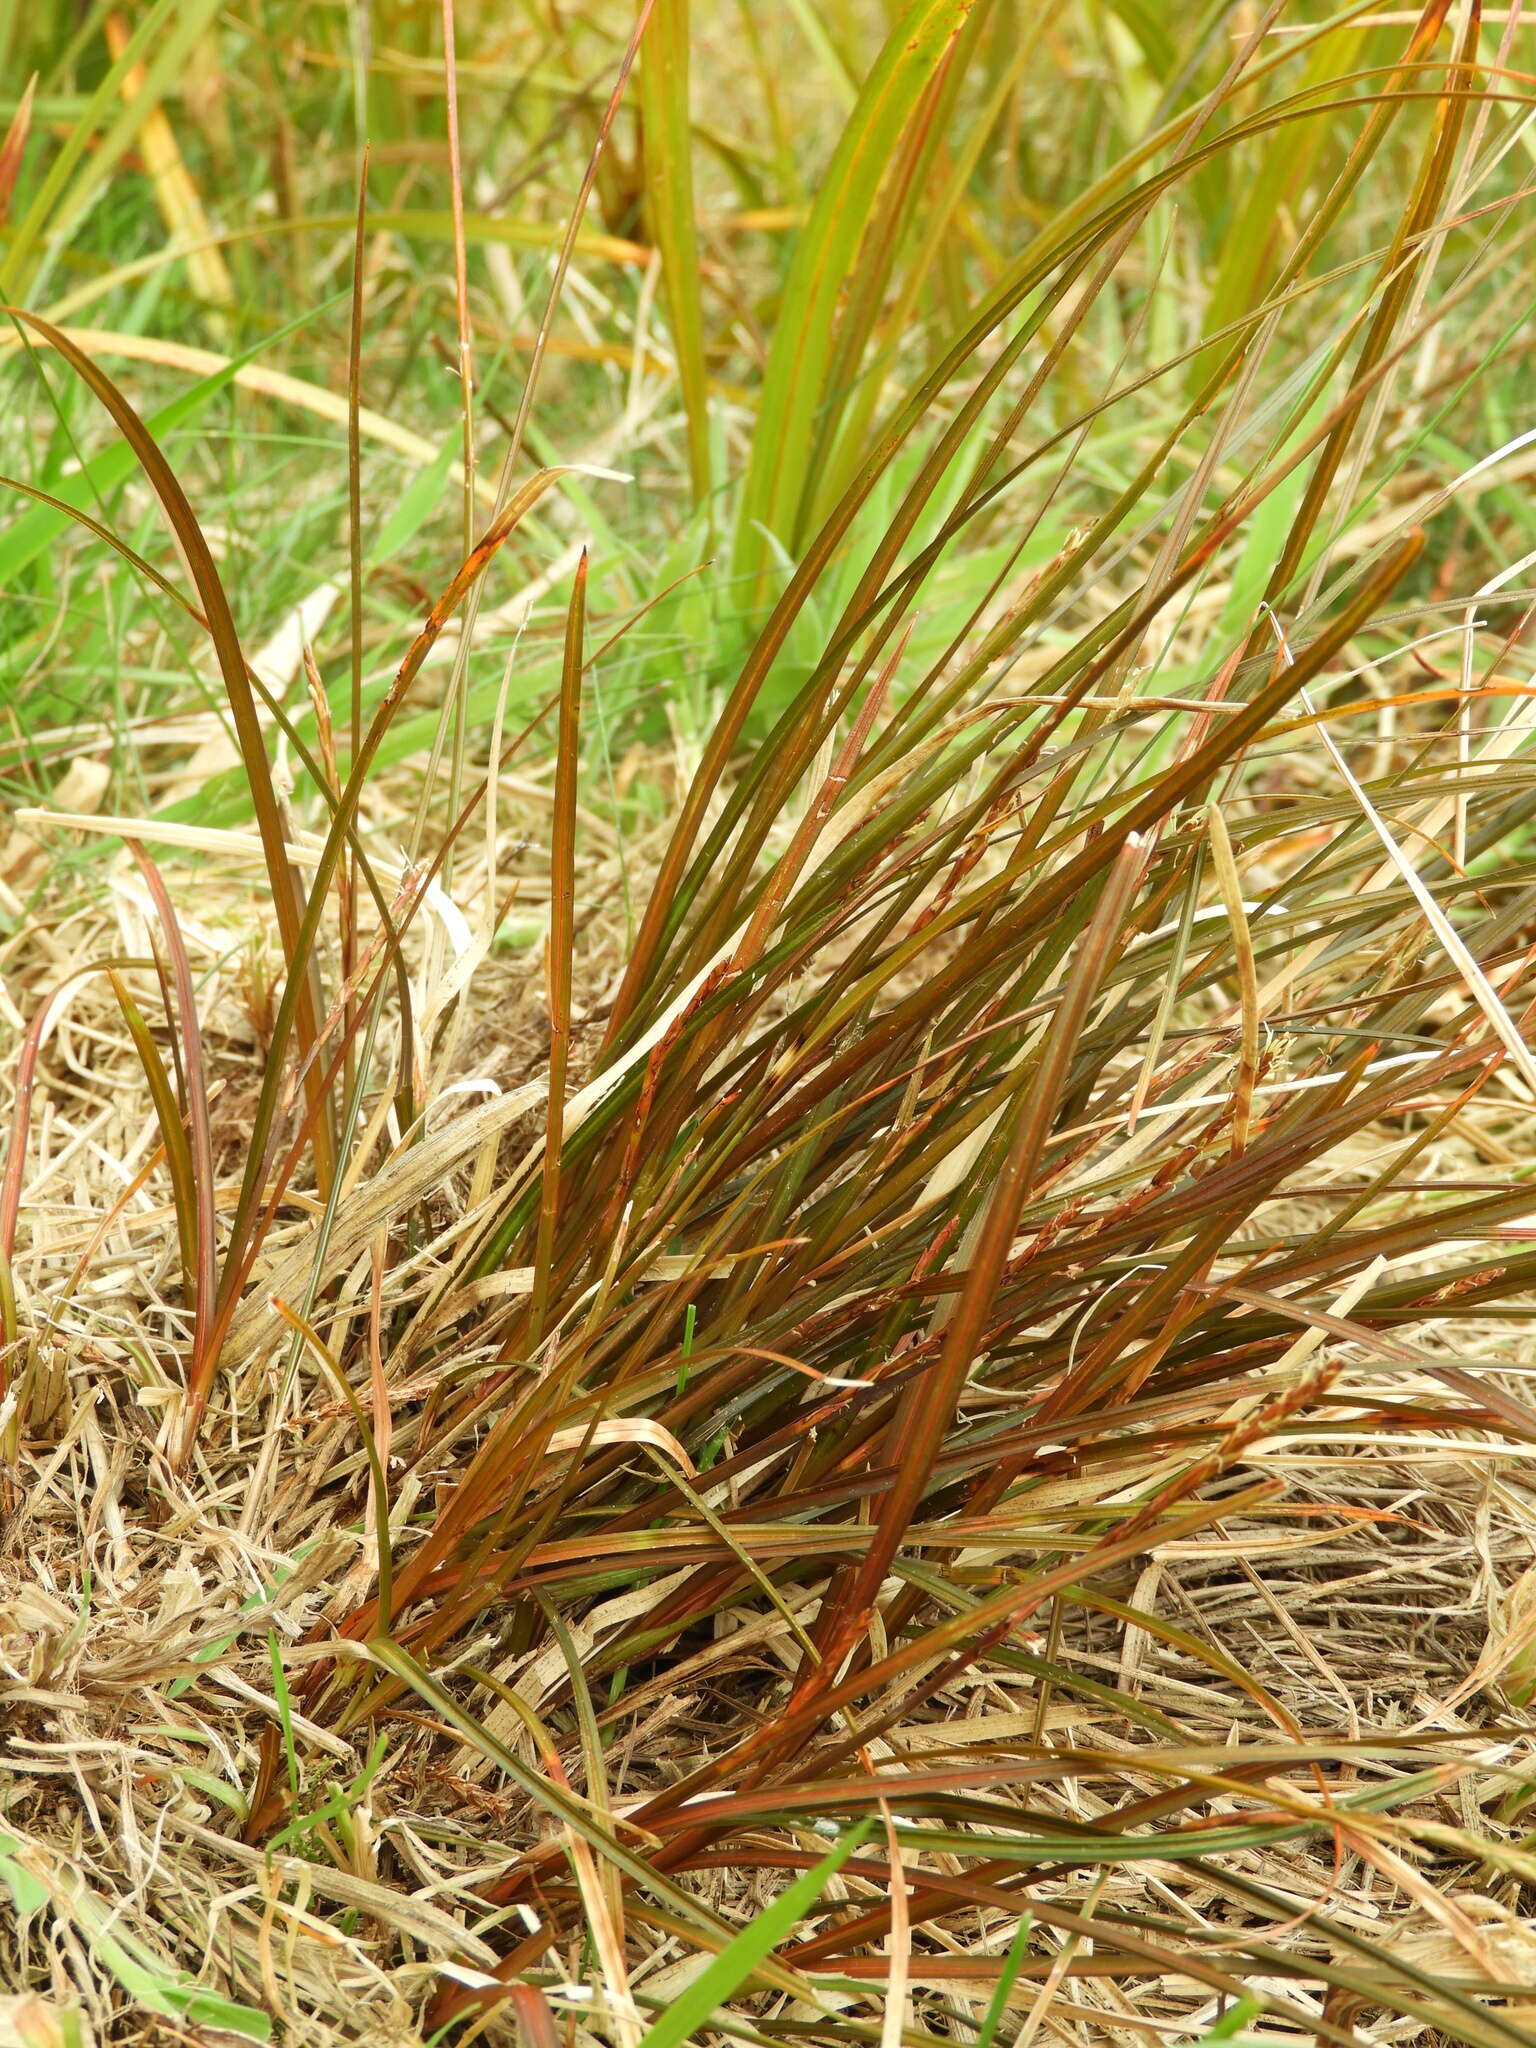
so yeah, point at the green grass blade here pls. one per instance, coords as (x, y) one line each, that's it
(825, 256)
(668, 136)
(31, 535)
(727, 1972)
(562, 943)
(96, 145)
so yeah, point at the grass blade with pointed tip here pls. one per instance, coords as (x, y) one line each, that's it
(720, 1979)
(286, 891)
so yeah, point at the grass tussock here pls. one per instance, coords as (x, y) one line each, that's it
(764, 1248)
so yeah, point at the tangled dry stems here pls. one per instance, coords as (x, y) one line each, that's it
(1374, 1603)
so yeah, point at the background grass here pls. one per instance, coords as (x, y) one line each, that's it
(919, 614)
